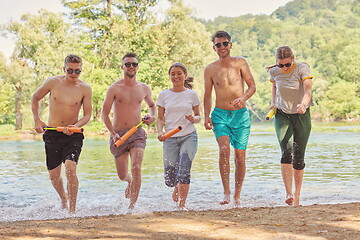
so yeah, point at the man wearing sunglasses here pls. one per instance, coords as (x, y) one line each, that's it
(68, 94)
(230, 119)
(126, 96)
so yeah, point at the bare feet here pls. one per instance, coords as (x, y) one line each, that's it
(289, 199)
(64, 202)
(237, 203)
(131, 206)
(128, 190)
(182, 209)
(175, 195)
(226, 199)
(72, 213)
(296, 201)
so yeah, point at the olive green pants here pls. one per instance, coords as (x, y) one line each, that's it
(293, 131)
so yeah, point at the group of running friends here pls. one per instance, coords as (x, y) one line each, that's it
(178, 106)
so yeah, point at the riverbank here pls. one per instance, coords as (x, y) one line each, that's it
(318, 222)
(98, 131)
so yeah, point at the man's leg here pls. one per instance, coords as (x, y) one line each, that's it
(72, 184)
(224, 166)
(240, 170)
(57, 182)
(136, 155)
(121, 164)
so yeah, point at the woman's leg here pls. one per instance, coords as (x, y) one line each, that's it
(284, 133)
(302, 129)
(188, 149)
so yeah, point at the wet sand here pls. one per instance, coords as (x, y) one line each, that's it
(318, 222)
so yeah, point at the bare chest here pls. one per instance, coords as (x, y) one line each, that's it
(129, 96)
(227, 77)
(67, 95)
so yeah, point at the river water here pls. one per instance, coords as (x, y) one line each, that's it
(332, 175)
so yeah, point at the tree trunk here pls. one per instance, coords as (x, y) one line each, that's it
(255, 113)
(18, 116)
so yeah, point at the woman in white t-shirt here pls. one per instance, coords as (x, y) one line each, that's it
(178, 106)
(292, 87)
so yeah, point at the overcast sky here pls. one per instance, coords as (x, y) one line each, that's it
(207, 9)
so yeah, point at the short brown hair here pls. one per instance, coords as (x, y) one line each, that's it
(72, 58)
(221, 34)
(130, 55)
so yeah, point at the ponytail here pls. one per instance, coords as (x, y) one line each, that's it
(188, 82)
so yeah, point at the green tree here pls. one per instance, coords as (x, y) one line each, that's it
(186, 39)
(19, 77)
(342, 100)
(348, 63)
(42, 42)
(112, 28)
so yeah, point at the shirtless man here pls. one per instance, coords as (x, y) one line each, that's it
(67, 95)
(126, 95)
(230, 119)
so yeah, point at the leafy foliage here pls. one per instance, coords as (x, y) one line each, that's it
(323, 33)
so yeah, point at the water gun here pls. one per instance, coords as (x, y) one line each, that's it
(270, 114)
(172, 132)
(61, 129)
(128, 134)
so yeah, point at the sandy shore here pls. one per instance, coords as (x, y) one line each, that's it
(320, 222)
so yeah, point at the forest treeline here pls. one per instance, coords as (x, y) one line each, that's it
(323, 33)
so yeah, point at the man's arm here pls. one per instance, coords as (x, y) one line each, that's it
(249, 80)
(207, 98)
(35, 99)
(109, 99)
(87, 107)
(151, 105)
(160, 121)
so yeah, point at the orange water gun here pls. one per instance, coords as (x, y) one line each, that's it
(61, 129)
(128, 134)
(172, 132)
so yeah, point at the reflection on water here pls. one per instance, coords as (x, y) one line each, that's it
(332, 175)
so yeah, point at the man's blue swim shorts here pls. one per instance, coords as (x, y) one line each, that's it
(233, 123)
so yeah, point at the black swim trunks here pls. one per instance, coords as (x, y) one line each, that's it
(60, 147)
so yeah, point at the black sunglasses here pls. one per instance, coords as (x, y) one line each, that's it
(70, 71)
(225, 44)
(284, 65)
(128, 64)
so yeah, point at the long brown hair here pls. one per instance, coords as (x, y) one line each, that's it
(281, 53)
(188, 81)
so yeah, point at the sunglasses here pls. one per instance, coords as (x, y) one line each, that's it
(284, 65)
(225, 44)
(128, 64)
(70, 71)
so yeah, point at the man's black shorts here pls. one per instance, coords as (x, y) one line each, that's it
(60, 147)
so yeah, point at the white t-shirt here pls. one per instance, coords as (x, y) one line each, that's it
(177, 105)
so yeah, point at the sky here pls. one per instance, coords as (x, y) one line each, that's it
(206, 9)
